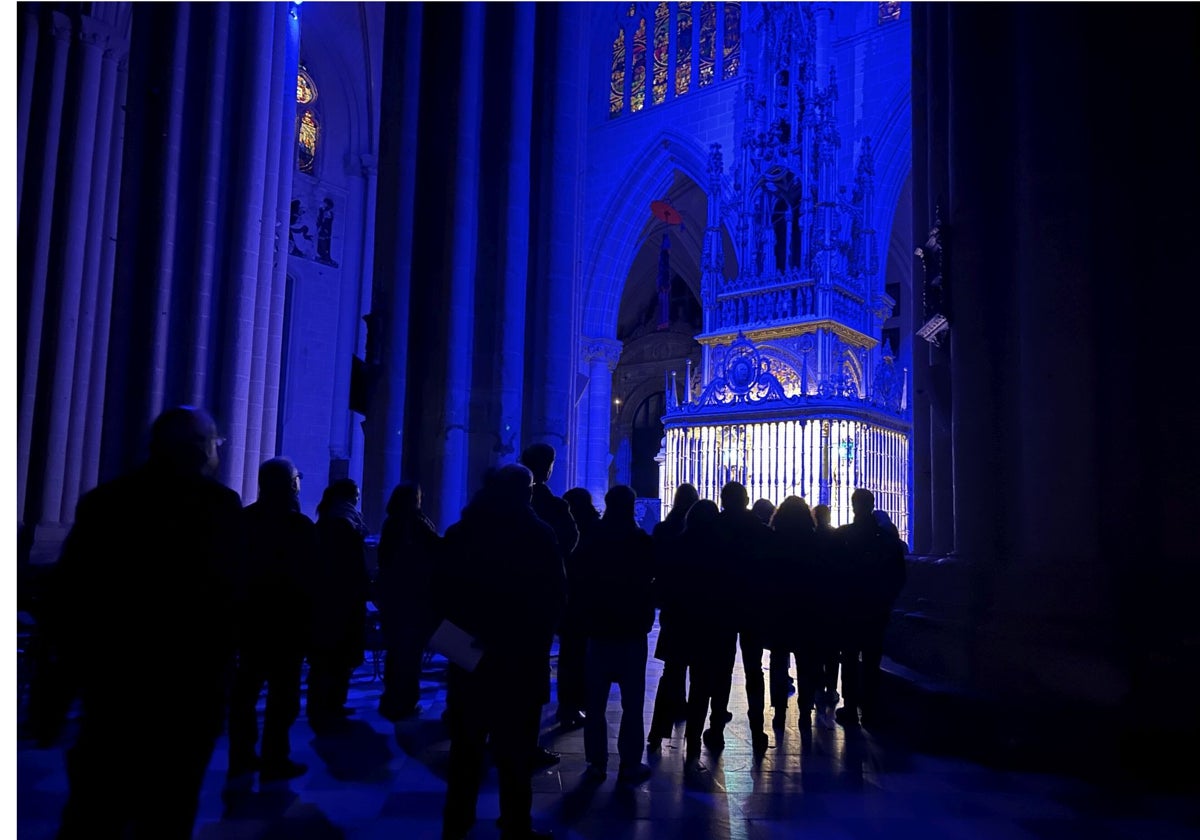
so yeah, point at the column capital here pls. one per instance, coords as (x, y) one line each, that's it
(607, 350)
(60, 26)
(95, 32)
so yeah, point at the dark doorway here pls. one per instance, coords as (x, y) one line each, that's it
(646, 441)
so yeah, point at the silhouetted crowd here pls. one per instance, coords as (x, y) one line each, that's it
(237, 598)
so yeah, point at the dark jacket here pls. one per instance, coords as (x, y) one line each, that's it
(789, 587)
(410, 552)
(146, 575)
(556, 513)
(670, 568)
(503, 582)
(745, 541)
(341, 583)
(277, 578)
(873, 569)
(705, 615)
(572, 622)
(616, 567)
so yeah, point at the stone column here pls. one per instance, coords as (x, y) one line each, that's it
(601, 356)
(460, 344)
(343, 427)
(103, 194)
(933, 474)
(1069, 535)
(27, 56)
(34, 235)
(246, 346)
(569, 96)
(387, 325)
(516, 263)
(208, 192)
(194, 281)
(67, 257)
(98, 351)
(280, 166)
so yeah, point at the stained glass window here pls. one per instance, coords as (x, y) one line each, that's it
(889, 11)
(638, 92)
(662, 52)
(708, 42)
(308, 125)
(309, 134)
(616, 90)
(733, 40)
(674, 37)
(306, 91)
(683, 49)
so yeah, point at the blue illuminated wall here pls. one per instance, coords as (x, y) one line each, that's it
(484, 219)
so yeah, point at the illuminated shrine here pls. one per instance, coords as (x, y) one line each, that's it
(797, 392)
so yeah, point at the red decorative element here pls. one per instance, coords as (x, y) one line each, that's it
(664, 212)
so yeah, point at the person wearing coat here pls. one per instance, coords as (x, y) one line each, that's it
(410, 552)
(341, 587)
(670, 697)
(503, 584)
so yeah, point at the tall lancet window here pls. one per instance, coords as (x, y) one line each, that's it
(663, 50)
(708, 42)
(733, 40)
(638, 94)
(308, 125)
(616, 91)
(683, 48)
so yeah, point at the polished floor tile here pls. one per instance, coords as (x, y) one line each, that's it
(378, 780)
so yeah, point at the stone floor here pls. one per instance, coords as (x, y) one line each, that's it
(382, 780)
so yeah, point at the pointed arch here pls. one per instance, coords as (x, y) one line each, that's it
(623, 221)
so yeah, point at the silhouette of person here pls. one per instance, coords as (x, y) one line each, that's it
(825, 620)
(572, 641)
(616, 564)
(409, 552)
(764, 509)
(670, 697)
(790, 632)
(744, 537)
(874, 570)
(145, 576)
(708, 633)
(884, 521)
(539, 459)
(341, 586)
(325, 232)
(274, 624)
(780, 677)
(503, 583)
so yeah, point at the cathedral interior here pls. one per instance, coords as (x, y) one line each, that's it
(809, 246)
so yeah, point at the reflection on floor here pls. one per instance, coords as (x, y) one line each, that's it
(378, 780)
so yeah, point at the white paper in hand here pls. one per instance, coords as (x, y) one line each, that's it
(456, 644)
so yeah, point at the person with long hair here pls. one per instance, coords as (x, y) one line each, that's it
(341, 586)
(670, 696)
(572, 641)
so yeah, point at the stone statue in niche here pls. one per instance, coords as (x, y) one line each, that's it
(325, 232)
(295, 228)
